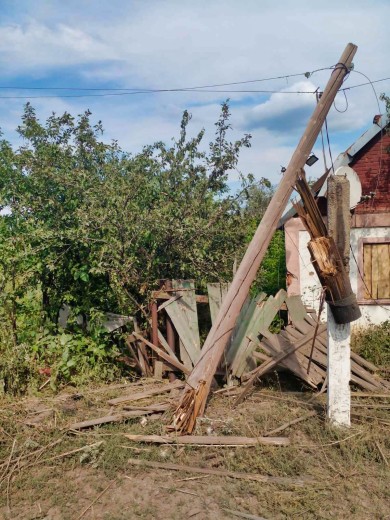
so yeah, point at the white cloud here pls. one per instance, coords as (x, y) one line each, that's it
(176, 44)
(284, 112)
(39, 48)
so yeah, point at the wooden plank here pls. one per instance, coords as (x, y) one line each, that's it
(168, 302)
(357, 370)
(261, 357)
(297, 362)
(266, 367)
(142, 354)
(209, 440)
(164, 343)
(363, 384)
(239, 331)
(318, 356)
(107, 419)
(360, 373)
(164, 295)
(184, 316)
(216, 293)
(371, 395)
(158, 369)
(263, 316)
(374, 271)
(140, 365)
(295, 307)
(367, 270)
(290, 423)
(269, 311)
(162, 389)
(383, 271)
(172, 361)
(152, 408)
(218, 472)
(363, 362)
(317, 371)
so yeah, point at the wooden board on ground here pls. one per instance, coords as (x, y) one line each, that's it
(209, 440)
(161, 389)
(90, 423)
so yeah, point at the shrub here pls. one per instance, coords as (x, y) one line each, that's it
(373, 343)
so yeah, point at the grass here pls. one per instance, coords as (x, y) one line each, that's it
(373, 343)
(348, 470)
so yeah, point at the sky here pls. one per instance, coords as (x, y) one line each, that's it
(151, 44)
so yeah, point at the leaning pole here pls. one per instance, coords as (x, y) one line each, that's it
(193, 399)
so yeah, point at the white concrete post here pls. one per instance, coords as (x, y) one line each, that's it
(339, 372)
(339, 336)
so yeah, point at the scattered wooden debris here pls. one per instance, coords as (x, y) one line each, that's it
(116, 418)
(289, 423)
(269, 365)
(294, 481)
(239, 514)
(167, 357)
(147, 393)
(209, 440)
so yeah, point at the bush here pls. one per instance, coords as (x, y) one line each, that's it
(373, 343)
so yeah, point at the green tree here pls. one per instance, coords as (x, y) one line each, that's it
(94, 227)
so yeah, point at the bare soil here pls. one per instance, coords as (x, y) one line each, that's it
(347, 472)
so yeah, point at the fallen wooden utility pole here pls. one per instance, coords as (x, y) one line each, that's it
(193, 400)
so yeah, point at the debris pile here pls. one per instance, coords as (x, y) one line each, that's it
(300, 347)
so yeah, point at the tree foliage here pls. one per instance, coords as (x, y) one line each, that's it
(92, 226)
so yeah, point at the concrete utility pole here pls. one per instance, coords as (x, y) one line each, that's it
(194, 398)
(339, 336)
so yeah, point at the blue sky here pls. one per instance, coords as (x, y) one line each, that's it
(170, 44)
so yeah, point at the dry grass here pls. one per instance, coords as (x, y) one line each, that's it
(348, 470)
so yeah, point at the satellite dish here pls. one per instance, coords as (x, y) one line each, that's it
(354, 184)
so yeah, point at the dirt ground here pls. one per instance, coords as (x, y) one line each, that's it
(48, 472)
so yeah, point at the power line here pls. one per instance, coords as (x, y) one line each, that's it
(162, 91)
(129, 92)
(143, 89)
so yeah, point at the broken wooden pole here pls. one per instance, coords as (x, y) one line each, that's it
(339, 335)
(195, 394)
(325, 255)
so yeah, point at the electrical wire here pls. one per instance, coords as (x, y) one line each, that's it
(210, 91)
(346, 104)
(284, 76)
(110, 92)
(329, 148)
